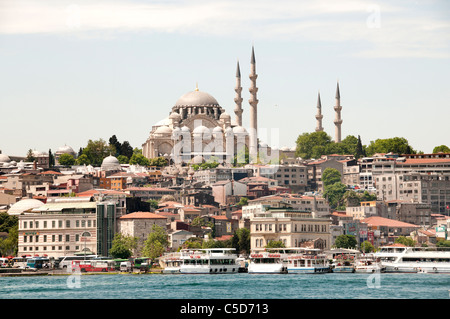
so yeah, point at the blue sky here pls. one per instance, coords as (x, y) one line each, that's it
(78, 70)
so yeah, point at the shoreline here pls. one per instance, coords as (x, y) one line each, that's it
(65, 273)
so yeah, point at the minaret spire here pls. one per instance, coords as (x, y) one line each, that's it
(338, 120)
(238, 99)
(319, 115)
(253, 101)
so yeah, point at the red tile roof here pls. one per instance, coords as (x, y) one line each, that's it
(380, 221)
(142, 215)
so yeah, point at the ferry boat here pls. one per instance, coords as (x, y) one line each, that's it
(343, 260)
(368, 263)
(267, 261)
(306, 261)
(209, 261)
(415, 259)
(171, 263)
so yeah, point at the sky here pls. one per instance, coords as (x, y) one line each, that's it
(71, 71)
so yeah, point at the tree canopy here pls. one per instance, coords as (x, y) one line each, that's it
(316, 144)
(441, 148)
(96, 151)
(345, 241)
(66, 159)
(397, 145)
(156, 242)
(122, 246)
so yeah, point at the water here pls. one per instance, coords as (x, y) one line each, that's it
(236, 286)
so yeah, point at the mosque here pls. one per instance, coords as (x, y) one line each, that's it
(198, 128)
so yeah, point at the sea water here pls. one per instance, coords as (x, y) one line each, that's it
(240, 286)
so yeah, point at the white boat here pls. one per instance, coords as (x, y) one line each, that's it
(415, 259)
(171, 263)
(209, 261)
(306, 261)
(343, 260)
(368, 263)
(267, 261)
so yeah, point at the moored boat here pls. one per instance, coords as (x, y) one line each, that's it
(267, 261)
(171, 263)
(306, 261)
(368, 263)
(209, 261)
(415, 259)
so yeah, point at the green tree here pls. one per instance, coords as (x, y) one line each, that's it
(51, 158)
(123, 159)
(397, 145)
(83, 160)
(153, 204)
(66, 159)
(345, 241)
(360, 149)
(7, 222)
(158, 162)
(139, 159)
(243, 201)
(122, 246)
(193, 243)
(367, 247)
(114, 142)
(443, 243)
(312, 145)
(9, 245)
(241, 241)
(126, 149)
(441, 148)
(330, 176)
(275, 244)
(335, 194)
(97, 150)
(407, 241)
(30, 157)
(156, 243)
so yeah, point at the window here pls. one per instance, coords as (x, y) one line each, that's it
(67, 223)
(77, 237)
(60, 224)
(25, 224)
(53, 239)
(67, 237)
(24, 239)
(45, 238)
(60, 238)
(45, 224)
(77, 223)
(53, 224)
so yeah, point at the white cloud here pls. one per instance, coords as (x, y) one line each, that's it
(380, 28)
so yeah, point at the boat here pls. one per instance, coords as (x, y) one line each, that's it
(368, 263)
(209, 261)
(267, 261)
(306, 261)
(171, 263)
(415, 259)
(343, 260)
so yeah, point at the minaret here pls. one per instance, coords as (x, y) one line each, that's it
(319, 115)
(253, 101)
(338, 120)
(238, 99)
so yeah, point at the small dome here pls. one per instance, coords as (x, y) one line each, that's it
(185, 129)
(175, 115)
(110, 163)
(239, 130)
(201, 129)
(65, 150)
(224, 116)
(4, 158)
(217, 129)
(24, 205)
(285, 149)
(197, 159)
(163, 130)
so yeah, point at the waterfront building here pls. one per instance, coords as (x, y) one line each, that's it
(289, 226)
(58, 228)
(387, 230)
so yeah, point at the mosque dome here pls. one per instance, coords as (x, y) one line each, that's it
(24, 205)
(4, 158)
(197, 98)
(185, 129)
(201, 130)
(224, 116)
(239, 130)
(163, 130)
(217, 129)
(110, 163)
(65, 150)
(175, 115)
